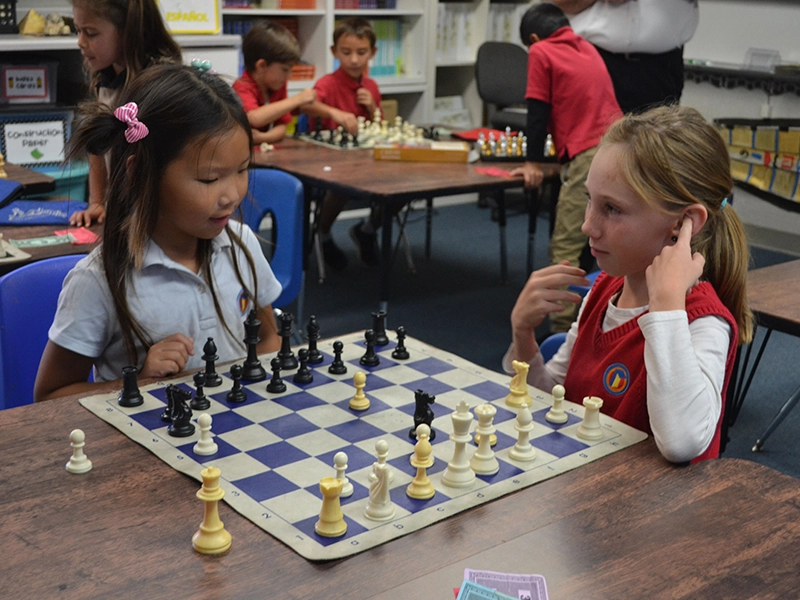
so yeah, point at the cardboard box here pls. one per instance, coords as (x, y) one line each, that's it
(443, 152)
(766, 138)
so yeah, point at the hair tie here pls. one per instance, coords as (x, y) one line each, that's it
(204, 66)
(135, 130)
(723, 204)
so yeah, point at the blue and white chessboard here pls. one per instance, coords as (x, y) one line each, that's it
(275, 448)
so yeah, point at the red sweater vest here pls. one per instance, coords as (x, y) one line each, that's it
(611, 364)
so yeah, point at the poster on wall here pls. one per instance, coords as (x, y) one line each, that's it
(33, 143)
(191, 16)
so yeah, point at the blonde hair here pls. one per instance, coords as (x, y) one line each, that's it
(672, 157)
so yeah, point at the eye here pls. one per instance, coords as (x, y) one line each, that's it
(612, 210)
(207, 181)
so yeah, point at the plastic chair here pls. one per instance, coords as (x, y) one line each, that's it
(551, 344)
(28, 301)
(501, 74)
(280, 195)
(584, 289)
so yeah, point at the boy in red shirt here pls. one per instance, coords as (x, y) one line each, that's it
(270, 50)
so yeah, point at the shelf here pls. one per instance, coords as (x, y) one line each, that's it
(377, 12)
(272, 12)
(731, 76)
(13, 42)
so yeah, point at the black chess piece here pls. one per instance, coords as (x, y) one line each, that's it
(130, 395)
(355, 140)
(181, 414)
(200, 401)
(166, 414)
(318, 129)
(276, 385)
(237, 393)
(422, 413)
(400, 352)
(332, 136)
(370, 359)
(303, 374)
(213, 378)
(379, 327)
(344, 140)
(252, 369)
(285, 354)
(337, 366)
(314, 355)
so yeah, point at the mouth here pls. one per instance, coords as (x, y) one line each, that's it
(596, 252)
(220, 221)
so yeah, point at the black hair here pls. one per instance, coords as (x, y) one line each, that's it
(543, 20)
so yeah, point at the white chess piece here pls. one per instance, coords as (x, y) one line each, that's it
(205, 446)
(522, 450)
(590, 429)
(557, 414)
(422, 433)
(340, 464)
(484, 462)
(459, 473)
(379, 506)
(518, 388)
(382, 452)
(79, 462)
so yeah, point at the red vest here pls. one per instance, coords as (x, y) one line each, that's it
(611, 364)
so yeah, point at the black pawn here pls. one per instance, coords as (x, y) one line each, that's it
(285, 354)
(252, 369)
(337, 366)
(199, 402)
(130, 395)
(379, 327)
(370, 359)
(332, 136)
(314, 355)
(276, 385)
(343, 141)
(213, 378)
(182, 425)
(303, 374)
(400, 352)
(237, 393)
(355, 140)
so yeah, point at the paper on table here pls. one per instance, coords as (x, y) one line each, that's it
(524, 587)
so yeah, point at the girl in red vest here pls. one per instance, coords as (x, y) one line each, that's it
(657, 334)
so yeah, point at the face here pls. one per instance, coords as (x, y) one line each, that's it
(201, 189)
(354, 53)
(625, 232)
(99, 41)
(272, 76)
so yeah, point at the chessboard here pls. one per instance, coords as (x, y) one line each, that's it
(274, 449)
(370, 134)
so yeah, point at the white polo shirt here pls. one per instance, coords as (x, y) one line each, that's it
(164, 298)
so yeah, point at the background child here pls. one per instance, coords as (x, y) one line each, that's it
(344, 95)
(118, 39)
(270, 50)
(570, 93)
(175, 272)
(657, 334)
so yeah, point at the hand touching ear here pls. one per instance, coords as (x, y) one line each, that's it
(674, 272)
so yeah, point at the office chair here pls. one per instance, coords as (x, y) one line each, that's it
(501, 74)
(28, 301)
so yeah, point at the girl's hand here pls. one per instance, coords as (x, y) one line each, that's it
(541, 294)
(365, 99)
(84, 218)
(674, 272)
(168, 357)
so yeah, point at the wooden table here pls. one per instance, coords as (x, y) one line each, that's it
(388, 183)
(627, 526)
(33, 182)
(13, 232)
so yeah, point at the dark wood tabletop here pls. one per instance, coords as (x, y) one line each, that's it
(32, 181)
(14, 232)
(626, 526)
(774, 296)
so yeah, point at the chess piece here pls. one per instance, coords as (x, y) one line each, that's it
(484, 462)
(331, 521)
(379, 327)
(340, 464)
(205, 446)
(3, 173)
(421, 487)
(212, 537)
(276, 385)
(213, 378)
(166, 414)
(130, 395)
(557, 414)
(180, 413)
(360, 400)
(422, 413)
(78, 462)
(337, 366)
(382, 452)
(370, 359)
(312, 329)
(200, 401)
(252, 369)
(400, 352)
(285, 354)
(459, 473)
(590, 429)
(303, 375)
(518, 389)
(237, 394)
(379, 506)
(522, 450)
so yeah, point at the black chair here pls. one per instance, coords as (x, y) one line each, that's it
(501, 74)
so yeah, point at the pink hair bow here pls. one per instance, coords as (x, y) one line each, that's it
(136, 129)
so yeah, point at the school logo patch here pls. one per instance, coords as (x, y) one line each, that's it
(242, 301)
(616, 379)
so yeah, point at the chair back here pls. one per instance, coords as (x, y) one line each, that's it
(28, 301)
(501, 73)
(279, 194)
(551, 344)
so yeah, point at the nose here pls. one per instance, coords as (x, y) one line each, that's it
(232, 193)
(588, 228)
(81, 40)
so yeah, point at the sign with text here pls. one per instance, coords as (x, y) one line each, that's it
(28, 83)
(191, 16)
(34, 143)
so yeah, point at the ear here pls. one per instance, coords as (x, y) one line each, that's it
(374, 51)
(260, 65)
(697, 213)
(534, 38)
(333, 49)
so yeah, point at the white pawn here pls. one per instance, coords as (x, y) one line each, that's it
(340, 464)
(422, 433)
(590, 428)
(79, 463)
(557, 414)
(205, 446)
(522, 450)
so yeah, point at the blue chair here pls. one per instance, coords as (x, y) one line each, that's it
(28, 301)
(584, 289)
(281, 195)
(551, 344)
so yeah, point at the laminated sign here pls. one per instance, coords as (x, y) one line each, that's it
(30, 143)
(191, 16)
